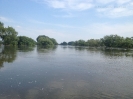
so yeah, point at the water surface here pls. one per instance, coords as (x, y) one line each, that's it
(65, 72)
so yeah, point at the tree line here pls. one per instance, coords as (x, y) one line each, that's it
(114, 41)
(9, 36)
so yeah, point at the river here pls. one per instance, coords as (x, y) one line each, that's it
(65, 72)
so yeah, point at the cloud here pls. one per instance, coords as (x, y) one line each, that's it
(105, 8)
(77, 5)
(116, 9)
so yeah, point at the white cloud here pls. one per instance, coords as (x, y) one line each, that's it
(107, 8)
(114, 11)
(78, 5)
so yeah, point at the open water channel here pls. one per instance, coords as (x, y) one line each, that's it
(65, 72)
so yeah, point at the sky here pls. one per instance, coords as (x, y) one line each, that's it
(68, 20)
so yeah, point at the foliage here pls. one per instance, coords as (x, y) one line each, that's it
(63, 43)
(127, 43)
(44, 41)
(8, 35)
(40, 36)
(94, 42)
(117, 41)
(23, 40)
(80, 43)
(112, 41)
(71, 43)
(54, 41)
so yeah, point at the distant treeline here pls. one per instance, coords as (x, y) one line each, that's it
(114, 41)
(8, 36)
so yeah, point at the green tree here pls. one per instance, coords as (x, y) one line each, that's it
(8, 35)
(2, 30)
(63, 43)
(93, 42)
(127, 43)
(54, 41)
(23, 40)
(112, 41)
(80, 43)
(71, 43)
(40, 36)
(44, 41)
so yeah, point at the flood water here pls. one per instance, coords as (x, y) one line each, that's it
(65, 72)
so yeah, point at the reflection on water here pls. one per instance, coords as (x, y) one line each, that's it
(67, 72)
(25, 48)
(41, 49)
(7, 54)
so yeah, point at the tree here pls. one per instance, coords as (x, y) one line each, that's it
(8, 35)
(80, 43)
(112, 41)
(71, 43)
(41, 36)
(23, 40)
(127, 43)
(45, 41)
(64, 43)
(2, 30)
(93, 42)
(54, 41)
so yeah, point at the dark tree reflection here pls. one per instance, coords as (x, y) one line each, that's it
(25, 48)
(41, 49)
(7, 54)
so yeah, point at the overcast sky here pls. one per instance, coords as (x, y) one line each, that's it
(68, 20)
